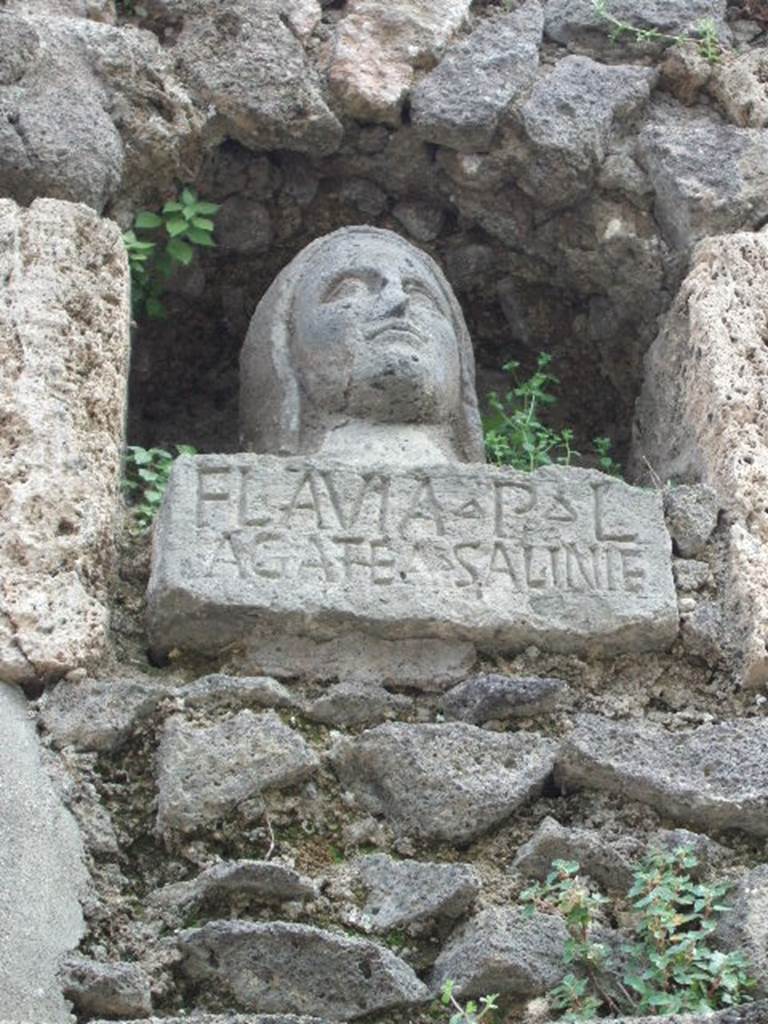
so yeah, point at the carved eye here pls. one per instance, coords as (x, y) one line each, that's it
(348, 287)
(420, 295)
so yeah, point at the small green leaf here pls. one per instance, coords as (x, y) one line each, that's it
(203, 222)
(173, 208)
(200, 237)
(207, 209)
(175, 226)
(145, 219)
(181, 251)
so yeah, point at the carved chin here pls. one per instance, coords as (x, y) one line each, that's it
(403, 392)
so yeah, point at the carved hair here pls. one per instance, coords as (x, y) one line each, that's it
(270, 399)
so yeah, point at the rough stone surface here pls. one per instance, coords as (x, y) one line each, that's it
(691, 574)
(379, 43)
(91, 110)
(577, 25)
(502, 950)
(99, 714)
(355, 704)
(701, 417)
(233, 1018)
(751, 1013)
(64, 351)
(249, 66)
(203, 772)
(113, 989)
(745, 926)
(232, 882)
(740, 86)
(691, 514)
(486, 697)
(708, 177)
(713, 778)
(565, 125)
(292, 968)
(413, 894)
(459, 103)
(42, 876)
(217, 691)
(256, 544)
(598, 859)
(448, 782)
(425, 664)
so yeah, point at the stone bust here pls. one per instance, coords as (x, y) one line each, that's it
(359, 351)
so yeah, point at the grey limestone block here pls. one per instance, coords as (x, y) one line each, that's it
(294, 968)
(449, 782)
(714, 777)
(502, 950)
(413, 894)
(203, 772)
(492, 696)
(459, 104)
(248, 546)
(112, 989)
(42, 874)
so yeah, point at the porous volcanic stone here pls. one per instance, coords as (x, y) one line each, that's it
(114, 989)
(377, 46)
(64, 346)
(249, 64)
(357, 704)
(503, 950)
(565, 125)
(598, 859)
(295, 968)
(249, 546)
(413, 894)
(701, 417)
(493, 696)
(713, 778)
(577, 25)
(99, 714)
(448, 782)
(203, 772)
(236, 691)
(691, 513)
(460, 102)
(237, 881)
(745, 926)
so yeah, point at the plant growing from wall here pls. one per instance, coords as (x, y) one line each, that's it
(471, 1012)
(146, 476)
(669, 965)
(158, 243)
(704, 33)
(515, 434)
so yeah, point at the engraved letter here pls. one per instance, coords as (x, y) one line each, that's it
(634, 575)
(528, 502)
(374, 483)
(601, 532)
(500, 554)
(423, 495)
(382, 558)
(206, 495)
(312, 502)
(472, 570)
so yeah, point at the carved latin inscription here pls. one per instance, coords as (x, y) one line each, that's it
(467, 531)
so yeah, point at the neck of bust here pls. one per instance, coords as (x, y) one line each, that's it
(362, 442)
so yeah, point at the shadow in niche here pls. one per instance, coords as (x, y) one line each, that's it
(184, 372)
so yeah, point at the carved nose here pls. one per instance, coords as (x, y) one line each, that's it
(393, 299)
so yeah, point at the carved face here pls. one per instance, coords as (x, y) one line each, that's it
(373, 335)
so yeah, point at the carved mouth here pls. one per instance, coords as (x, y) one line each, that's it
(394, 325)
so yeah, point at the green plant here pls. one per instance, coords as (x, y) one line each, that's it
(704, 32)
(669, 966)
(602, 448)
(146, 477)
(470, 1013)
(514, 433)
(184, 225)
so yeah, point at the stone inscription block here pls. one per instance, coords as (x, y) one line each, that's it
(249, 545)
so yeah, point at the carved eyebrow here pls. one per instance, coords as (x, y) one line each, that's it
(364, 276)
(434, 293)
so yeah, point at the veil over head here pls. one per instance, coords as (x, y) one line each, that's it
(270, 394)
